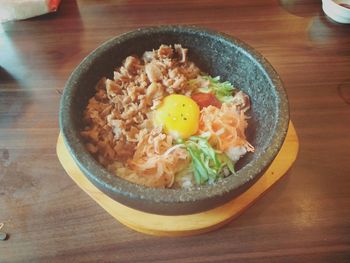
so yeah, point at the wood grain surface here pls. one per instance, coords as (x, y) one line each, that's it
(304, 218)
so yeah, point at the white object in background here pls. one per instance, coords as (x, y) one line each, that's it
(334, 10)
(22, 9)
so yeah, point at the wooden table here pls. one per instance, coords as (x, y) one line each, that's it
(304, 218)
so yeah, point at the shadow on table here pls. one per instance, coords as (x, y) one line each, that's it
(324, 30)
(47, 48)
(302, 8)
(13, 99)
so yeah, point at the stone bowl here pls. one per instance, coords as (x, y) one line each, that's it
(215, 53)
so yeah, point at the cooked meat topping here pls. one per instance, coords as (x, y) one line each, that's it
(121, 107)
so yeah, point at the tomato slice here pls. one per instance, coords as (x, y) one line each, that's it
(205, 99)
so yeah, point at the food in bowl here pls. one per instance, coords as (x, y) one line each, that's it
(213, 52)
(161, 122)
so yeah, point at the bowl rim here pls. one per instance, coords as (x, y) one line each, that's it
(336, 12)
(116, 185)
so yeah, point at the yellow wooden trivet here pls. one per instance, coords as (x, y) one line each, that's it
(184, 225)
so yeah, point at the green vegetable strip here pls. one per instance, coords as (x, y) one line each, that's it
(199, 170)
(206, 162)
(227, 162)
(207, 149)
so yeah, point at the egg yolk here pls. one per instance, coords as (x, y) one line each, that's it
(179, 116)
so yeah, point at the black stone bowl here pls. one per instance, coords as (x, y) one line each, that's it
(215, 53)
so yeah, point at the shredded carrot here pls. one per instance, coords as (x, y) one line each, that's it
(226, 126)
(157, 159)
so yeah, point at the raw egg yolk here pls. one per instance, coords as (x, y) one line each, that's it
(179, 116)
